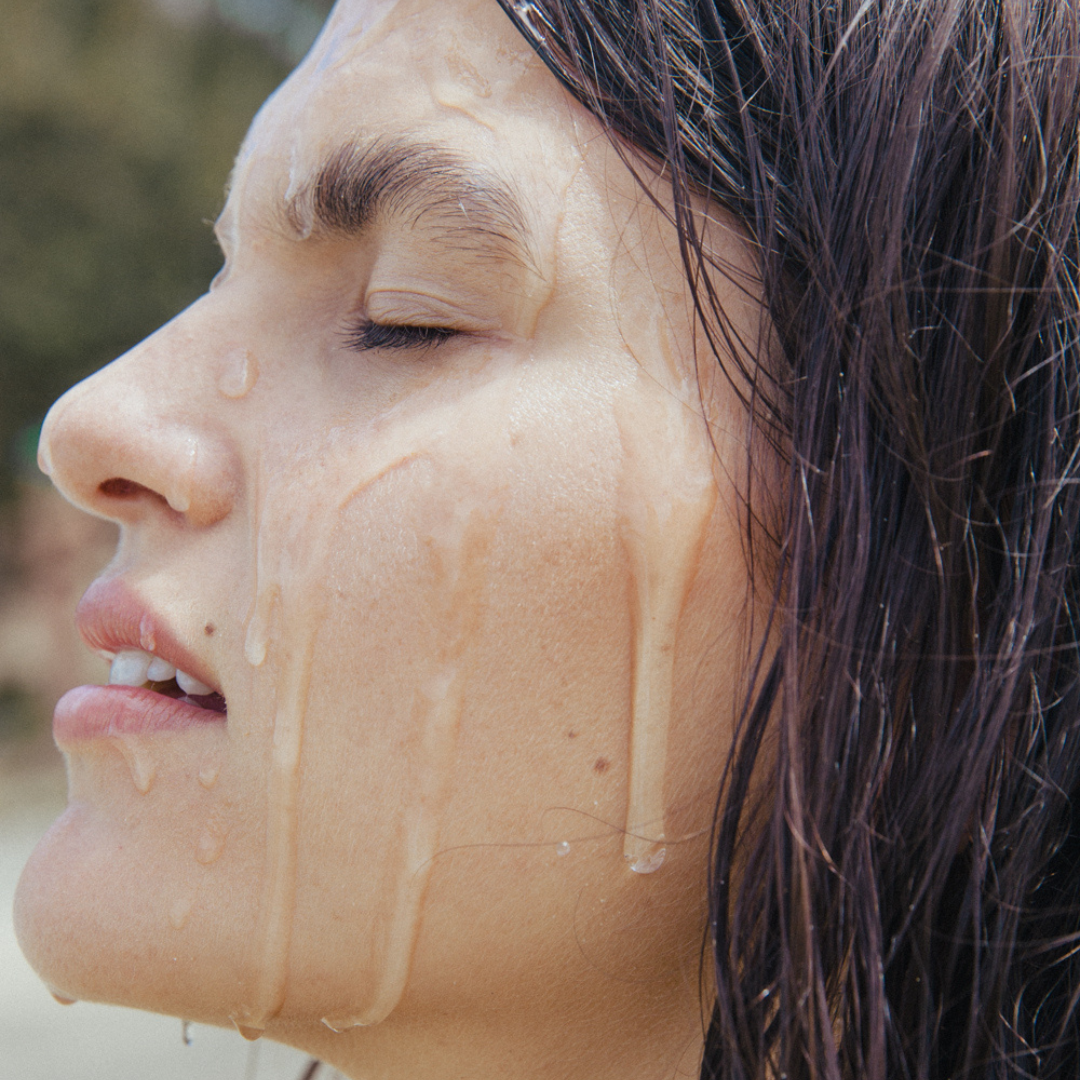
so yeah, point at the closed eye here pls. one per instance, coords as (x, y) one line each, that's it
(372, 335)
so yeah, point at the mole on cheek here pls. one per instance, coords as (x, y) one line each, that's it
(602, 765)
(209, 629)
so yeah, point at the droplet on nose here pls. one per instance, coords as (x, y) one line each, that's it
(239, 373)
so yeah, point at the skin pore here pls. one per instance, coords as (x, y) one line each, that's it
(423, 489)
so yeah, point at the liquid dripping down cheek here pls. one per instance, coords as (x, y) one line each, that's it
(437, 717)
(289, 607)
(284, 697)
(667, 495)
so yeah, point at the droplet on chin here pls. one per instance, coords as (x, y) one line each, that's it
(61, 999)
(143, 769)
(180, 911)
(208, 776)
(249, 1033)
(340, 1024)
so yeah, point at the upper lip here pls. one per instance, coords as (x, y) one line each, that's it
(112, 617)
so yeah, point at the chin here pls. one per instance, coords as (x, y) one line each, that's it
(88, 921)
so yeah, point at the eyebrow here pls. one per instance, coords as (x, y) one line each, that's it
(469, 206)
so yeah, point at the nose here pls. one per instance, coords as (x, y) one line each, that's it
(129, 443)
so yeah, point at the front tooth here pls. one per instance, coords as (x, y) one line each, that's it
(129, 668)
(160, 670)
(190, 685)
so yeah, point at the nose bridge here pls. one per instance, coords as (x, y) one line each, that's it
(143, 436)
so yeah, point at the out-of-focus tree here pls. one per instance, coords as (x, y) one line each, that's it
(119, 120)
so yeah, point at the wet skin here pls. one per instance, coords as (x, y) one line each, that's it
(422, 488)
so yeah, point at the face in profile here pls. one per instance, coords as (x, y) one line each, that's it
(430, 607)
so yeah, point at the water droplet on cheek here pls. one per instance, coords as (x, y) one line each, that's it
(562, 848)
(239, 373)
(209, 848)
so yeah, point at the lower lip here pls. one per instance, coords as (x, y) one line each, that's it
(102, 712)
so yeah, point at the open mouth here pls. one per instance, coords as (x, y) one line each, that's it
(135, 667)
(212, 701)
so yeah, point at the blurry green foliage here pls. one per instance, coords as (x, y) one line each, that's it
(118, 126)
(19, 714)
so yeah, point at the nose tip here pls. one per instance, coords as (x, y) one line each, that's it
(115, 452)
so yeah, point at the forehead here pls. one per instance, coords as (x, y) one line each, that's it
(448, 72)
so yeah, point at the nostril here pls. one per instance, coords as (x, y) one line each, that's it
(118, 488)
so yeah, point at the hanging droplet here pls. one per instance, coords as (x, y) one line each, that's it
(185, 1032)
(650, 862)
(61, 999)
(340, 1024)
(250, 1033)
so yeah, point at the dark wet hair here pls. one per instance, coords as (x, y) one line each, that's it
(907, 904)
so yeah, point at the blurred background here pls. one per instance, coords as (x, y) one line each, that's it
(119, 120)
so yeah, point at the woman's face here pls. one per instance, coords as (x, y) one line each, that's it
(422, 489)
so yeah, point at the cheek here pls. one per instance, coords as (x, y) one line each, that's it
(470, 673)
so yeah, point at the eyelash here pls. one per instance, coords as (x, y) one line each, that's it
(372, 335)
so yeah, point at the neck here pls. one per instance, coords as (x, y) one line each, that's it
(624, 1030)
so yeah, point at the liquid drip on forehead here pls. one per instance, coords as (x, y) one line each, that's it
(348, 25)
